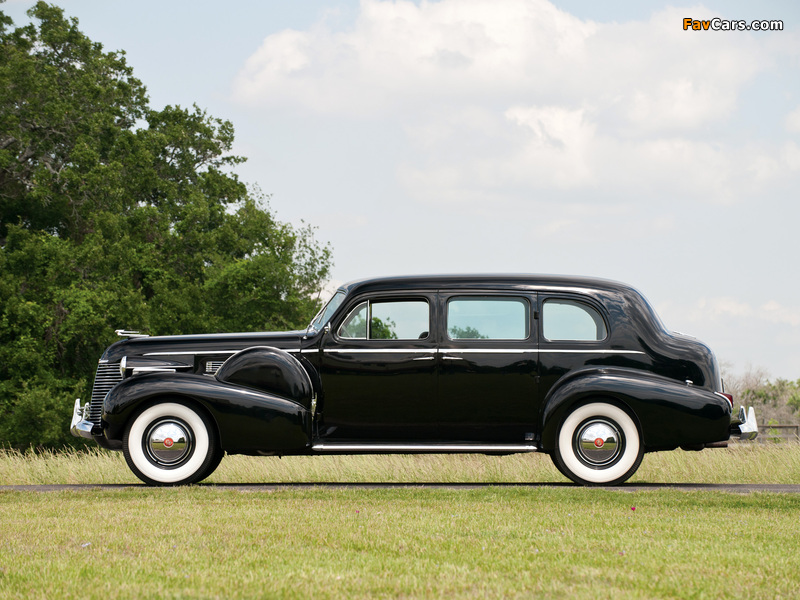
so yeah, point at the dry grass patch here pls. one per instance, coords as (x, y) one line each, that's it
(741, 463)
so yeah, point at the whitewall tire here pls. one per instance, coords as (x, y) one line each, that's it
(598, 444)
(171, 444)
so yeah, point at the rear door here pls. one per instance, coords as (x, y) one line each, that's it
(488, 374)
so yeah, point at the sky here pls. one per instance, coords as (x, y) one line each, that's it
(506, 136)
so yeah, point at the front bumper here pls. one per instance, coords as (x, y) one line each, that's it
(744, 425)
(80, 427)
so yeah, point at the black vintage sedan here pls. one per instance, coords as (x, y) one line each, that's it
(581, 369)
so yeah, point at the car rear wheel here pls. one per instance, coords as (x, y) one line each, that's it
(171, 444)
(598, 444)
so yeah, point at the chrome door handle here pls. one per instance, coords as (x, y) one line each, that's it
(423, 358)
(445, 357)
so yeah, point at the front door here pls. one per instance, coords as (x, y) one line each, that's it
(378, 371)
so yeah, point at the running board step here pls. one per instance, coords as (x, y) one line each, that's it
(423, 448)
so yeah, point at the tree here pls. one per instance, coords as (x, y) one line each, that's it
(466, 333)
(775, 401)
(113, 214)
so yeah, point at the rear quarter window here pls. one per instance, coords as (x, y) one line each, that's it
(572, 320)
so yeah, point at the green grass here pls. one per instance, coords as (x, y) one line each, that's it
(488, 542)
(741, 463)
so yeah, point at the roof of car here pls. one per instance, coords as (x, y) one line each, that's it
(520, 282)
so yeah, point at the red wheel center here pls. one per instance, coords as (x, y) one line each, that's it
(599, 443)
(168, 443)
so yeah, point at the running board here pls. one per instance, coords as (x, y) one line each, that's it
(423, 448)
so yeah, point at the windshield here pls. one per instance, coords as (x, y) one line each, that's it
(327, 312)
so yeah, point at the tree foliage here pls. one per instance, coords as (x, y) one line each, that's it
(112, 215)
(775, 401)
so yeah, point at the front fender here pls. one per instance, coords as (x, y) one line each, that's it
(669, 413)
(247, 420)
(269, 370)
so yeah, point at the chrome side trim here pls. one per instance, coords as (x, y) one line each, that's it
(193, 352)
(412, 448)
(206, 352)
(140, 370)
(380, 350)
(472, 351)
(411, 350)
(591, 351)
(488, 351)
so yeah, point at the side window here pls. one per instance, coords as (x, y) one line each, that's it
(355, 325)
(488, 318)
(387, 320)
(568, 320)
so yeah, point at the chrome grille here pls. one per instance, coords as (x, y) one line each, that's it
(108, 375)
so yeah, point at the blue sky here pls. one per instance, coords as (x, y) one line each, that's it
(512, 136)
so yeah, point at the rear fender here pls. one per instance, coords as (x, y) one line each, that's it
(669, 413)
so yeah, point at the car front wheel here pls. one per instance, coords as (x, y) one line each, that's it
(598, 444)
(171, 444)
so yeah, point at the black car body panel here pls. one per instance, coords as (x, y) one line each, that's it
(245, 418)
(450, 362)
(670, 414)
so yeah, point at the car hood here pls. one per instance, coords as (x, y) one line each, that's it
(175, 346)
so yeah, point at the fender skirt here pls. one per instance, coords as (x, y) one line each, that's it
(669, 413)
(249, 421)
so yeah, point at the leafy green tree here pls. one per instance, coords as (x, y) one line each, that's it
(776, 402)
(112, 215)
(382, 330)
(466, 333)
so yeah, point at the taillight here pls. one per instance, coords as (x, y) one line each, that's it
(727, 397)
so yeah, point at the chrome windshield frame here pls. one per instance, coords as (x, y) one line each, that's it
(326, 312)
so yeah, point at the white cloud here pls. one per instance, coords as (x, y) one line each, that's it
(729, 308)
(791, 155)
(774, 312)
(713, 308)
(558, 146)
(499, 101)
(793, 121)
(401, 52)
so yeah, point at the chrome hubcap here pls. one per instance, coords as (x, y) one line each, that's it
(168, 442)
(598, 442)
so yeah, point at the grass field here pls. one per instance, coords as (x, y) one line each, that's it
(490, 542)
(741, 463)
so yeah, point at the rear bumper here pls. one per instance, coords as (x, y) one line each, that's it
(744, 426)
